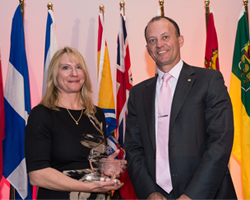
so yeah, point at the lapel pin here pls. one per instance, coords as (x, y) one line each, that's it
(189, 80)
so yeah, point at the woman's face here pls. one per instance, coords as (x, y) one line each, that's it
(70, 76)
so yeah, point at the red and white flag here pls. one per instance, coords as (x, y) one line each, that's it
(124, 83)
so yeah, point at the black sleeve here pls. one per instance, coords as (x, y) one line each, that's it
(140, 178)
(38, 138)
(219, 130)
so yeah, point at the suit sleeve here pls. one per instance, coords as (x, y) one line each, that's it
(142, 182)
(219, 130)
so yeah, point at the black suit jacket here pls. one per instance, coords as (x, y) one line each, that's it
(200, 136)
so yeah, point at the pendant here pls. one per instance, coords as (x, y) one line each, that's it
(76, 123)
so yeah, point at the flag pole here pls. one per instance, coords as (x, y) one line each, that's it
(161, 3)
(207, 8)
(21, 2)
(12, 193)
(245, 2)
(50, 6)
(101, 8)
(122, 6)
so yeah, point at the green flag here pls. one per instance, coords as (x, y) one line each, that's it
(240, 96)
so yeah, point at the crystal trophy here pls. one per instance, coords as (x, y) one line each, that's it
(103, 167)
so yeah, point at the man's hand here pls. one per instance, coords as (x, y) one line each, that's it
(112, 167)
(156, 196)
(183, 197)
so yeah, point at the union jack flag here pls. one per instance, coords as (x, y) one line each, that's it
(123, 78)
(124, 83)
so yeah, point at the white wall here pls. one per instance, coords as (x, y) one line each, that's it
(76, 26)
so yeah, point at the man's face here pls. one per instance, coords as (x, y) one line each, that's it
(163, 45)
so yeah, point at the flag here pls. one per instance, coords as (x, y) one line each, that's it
(211, 54)
(2, 120)
(51, 45)
(105, 86)
(240, 97)
(124, 83)
(17, 108)
(124, 79)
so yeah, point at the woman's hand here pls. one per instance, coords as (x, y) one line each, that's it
(104, 186)
(55, 180)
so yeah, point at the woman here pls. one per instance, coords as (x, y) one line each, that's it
(62, 129)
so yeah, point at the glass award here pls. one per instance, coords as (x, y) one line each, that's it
(103, 167)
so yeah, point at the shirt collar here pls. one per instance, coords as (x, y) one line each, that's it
(175, 71)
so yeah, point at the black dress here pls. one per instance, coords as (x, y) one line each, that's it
(52, 139)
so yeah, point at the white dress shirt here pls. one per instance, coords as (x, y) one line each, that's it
(175, 72)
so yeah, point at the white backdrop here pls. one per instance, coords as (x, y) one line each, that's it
(76, 26)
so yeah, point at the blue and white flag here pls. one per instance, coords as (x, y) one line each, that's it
(17, 108)
(51, 45)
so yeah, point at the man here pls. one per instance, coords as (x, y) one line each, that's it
(199, 139)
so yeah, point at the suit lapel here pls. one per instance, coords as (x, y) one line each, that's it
(149, 107)
(186, 79)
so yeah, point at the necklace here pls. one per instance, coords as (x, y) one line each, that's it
(76, 121)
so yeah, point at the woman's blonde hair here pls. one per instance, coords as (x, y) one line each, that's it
(50, 98)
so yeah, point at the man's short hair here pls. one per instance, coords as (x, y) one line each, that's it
(177, 29)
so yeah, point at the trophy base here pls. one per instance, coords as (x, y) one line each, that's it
(91, 177)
